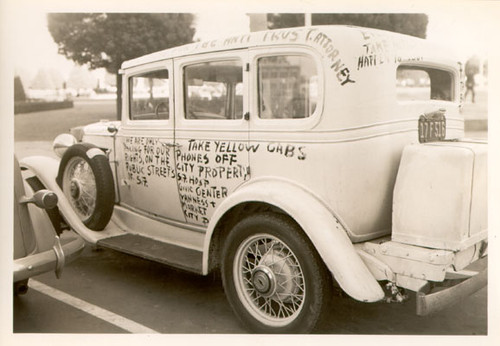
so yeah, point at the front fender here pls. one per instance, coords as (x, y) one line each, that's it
(46, 169)
(323, 229)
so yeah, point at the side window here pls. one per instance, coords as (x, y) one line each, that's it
(149, 96)
(288, 87)
(417, 83)
(214, 90)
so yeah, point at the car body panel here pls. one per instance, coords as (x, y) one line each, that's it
(37, 247)
(321, 226)
(46, 261)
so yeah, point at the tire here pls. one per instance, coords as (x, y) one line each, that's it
(21, 287)
(87, 182)
(273, 277)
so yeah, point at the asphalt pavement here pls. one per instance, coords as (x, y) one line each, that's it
(169, 301)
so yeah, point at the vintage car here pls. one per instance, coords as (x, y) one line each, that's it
(40, 245)
(292, 161)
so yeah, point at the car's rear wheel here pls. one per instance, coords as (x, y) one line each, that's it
(273, 277)
(87, 182)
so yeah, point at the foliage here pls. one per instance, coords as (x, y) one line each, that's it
(107, 39)
(19, 94)
(414, 24)
(40, 106)
(81, 78)
(284, 20)
(47, 79)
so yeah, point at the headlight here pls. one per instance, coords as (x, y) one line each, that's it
(63, 142)
(77, 132)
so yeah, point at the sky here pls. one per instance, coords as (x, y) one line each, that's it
(41, 51)
(463, 30)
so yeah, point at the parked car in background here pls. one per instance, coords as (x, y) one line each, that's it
(40, 245)
(291, 161)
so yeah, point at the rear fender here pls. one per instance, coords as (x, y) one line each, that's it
(323, 229)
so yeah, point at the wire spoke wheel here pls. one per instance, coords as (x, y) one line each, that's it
(269, 279)
(273, 277)
(86, 179)
(79, 187)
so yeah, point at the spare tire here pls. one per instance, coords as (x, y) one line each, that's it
(86, 179)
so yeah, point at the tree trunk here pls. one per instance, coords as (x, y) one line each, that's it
(118, 96)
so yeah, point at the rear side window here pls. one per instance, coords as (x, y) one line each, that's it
(149, 96)
(417, 83)
(214, 90)
(288, 87)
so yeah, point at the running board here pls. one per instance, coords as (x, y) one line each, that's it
(154, 250)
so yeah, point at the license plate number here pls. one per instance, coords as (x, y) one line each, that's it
(432, 127)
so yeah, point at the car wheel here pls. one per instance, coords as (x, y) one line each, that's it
(273, 277)
(21, 287)
(87, 182)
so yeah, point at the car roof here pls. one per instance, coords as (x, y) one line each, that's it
(329, 39)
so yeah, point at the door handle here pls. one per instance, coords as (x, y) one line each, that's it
(171, 145)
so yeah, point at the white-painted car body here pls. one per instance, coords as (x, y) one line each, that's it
(179, 180)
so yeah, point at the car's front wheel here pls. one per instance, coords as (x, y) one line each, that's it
(273, 277)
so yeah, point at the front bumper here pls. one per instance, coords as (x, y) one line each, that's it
(431, 299)
(71, 245)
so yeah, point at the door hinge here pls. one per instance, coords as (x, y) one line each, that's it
(247, 67)
(246, 116)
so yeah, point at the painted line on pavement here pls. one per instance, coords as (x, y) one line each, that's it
(103, 314)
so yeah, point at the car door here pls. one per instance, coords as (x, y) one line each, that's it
(211, 130)
(144, 143)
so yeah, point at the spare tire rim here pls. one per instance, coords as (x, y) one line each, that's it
(269, 280)
(79, 187)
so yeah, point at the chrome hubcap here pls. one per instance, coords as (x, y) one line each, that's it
(269, 280)
(264, 281)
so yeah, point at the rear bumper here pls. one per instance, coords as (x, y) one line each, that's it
(429, 302)
(50, 260)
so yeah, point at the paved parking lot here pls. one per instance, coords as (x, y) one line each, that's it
(108, 292)
(165, 300)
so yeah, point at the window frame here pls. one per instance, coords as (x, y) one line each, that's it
(183, 123)
(130, 95)
(454, 98)
(285, 124)
(126, 108)
(185, 88)
(278, 76)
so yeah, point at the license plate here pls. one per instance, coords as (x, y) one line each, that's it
(432, 127)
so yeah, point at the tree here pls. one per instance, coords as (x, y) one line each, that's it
(80, 78)
(414, 24)
(285, 20)
(19, 94)
(105, 40)
(47, 79)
